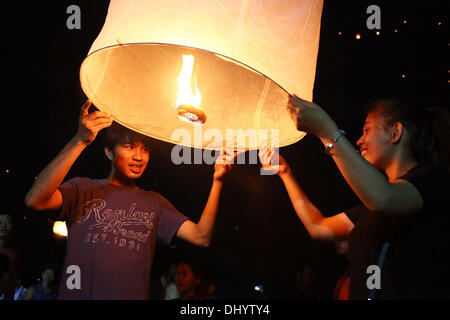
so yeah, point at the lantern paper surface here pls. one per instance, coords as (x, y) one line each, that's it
(248, 55)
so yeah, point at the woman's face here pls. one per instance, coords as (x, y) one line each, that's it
(185, 278)
(375, 143)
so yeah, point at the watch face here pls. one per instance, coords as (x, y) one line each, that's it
(328, 148)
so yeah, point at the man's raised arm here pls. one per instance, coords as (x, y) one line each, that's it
(44, 194)
(200, 233)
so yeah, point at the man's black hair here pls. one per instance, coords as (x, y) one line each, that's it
(117, 134)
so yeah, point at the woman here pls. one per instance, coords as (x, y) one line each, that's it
(401, 231)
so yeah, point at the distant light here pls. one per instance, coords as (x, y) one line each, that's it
(60, 228)
(403, 75)
(358, 36)
(395, 30)
(439, 23)
(404, 21)
(377, 33)
(339, 33)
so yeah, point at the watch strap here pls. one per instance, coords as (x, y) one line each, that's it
(335, 137)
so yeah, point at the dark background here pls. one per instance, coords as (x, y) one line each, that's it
(258, 238)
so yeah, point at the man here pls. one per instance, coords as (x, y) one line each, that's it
(113, 224)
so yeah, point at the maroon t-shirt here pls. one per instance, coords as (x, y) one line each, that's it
(112, 235)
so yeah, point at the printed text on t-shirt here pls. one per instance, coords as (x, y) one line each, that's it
(116, 226)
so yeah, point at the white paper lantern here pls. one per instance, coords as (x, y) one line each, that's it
(248, 55)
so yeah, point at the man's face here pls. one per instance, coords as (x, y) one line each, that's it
(131, 159)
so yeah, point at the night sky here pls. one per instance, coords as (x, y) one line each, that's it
(258, 237)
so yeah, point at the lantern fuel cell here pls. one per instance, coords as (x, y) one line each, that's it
(191, 114)
(248, 56)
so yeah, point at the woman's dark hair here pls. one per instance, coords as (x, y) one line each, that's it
(428, 128)
(196, 266)
(117, 134)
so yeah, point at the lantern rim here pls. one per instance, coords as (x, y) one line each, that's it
(222, 56)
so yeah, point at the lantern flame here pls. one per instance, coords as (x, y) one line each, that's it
(185, 95)
(188, 104)
(60, 228)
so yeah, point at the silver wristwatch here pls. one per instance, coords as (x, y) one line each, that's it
(336, 135)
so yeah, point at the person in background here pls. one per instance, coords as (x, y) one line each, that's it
(187, 280)
(193, 282)
(20, 288)
(305, 283)
(4, 269)
(342, 286)
(8, 248)
(169, 287)
(47, 287)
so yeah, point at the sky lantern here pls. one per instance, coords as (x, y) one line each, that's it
(166, 66)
